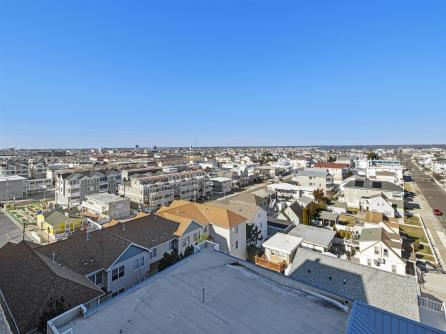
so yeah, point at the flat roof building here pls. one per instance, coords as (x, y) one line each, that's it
(208, 292)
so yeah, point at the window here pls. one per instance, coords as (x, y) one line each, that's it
(236, 229)
(96, 278)
(386, 252)
(369, 262)
(152, 253)
(236, 245)
(394, 268)
(138, 263)
(376, 250)
(117, 273)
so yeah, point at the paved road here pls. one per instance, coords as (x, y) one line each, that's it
(434, 194)
(8, 231)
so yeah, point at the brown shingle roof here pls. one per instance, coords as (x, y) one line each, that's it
(104, 246)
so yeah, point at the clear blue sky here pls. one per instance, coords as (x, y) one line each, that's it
(223, 72)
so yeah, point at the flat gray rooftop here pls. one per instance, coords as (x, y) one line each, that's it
(237, 300)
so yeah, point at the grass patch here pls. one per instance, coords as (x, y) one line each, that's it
(425, 250)
(353, 210)
(412, 220)
(415, 233)
(426, 257)
(408, 187)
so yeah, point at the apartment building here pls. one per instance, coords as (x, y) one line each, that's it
(152, 192)
(72, 187)
(221, 185)
(314, 178)
(14, 167)
(12, 187)
(375, 169)
(37, 169)
(38, 185)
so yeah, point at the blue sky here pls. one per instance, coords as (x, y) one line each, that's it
(168, 73)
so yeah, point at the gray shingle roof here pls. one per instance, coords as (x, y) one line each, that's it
(394, 293)
(313, 172)
(315, 235)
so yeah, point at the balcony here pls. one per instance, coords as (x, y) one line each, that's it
(278, 266)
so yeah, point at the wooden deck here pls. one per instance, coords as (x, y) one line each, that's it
(275, 266)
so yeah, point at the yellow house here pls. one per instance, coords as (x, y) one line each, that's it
(56, 223)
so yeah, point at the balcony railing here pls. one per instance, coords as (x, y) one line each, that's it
(275, 266)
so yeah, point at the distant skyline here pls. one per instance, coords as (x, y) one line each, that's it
(221, 73)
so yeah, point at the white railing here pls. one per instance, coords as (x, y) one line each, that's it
(431, 304)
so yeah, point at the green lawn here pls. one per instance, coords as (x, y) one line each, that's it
(408, 187)
(416, 233)
(425, 250)
(413, 220)
(429, 258)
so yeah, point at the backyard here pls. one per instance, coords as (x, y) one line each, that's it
(27, 214)
(412, 220)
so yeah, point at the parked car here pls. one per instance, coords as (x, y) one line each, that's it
(438, 212)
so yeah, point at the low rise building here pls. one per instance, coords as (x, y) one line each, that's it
(59, 225)
(72, 187)
(252, 207)
(338, 170)
(358, 190)
(35, 186)
(226, 228)
(314, 238)
(382, 250)
(12, 188)
(372, 168)
(208, 292)
(221, 185)
(152, 192)
(109, 205)
(315, 178)
(279, 249)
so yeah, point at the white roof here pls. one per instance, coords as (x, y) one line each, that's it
(221, 179)
(283, 243)
(283, 186)
(12, 178)
(105, 197)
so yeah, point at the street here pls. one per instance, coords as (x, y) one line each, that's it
(435, 196)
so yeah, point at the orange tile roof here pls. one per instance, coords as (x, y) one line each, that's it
(330, 165)
(183, 211)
